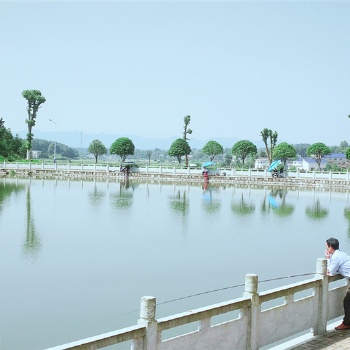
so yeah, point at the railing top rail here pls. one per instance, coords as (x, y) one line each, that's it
(290, 289)
(105, 339)
(201, 313)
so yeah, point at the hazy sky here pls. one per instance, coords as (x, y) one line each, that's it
(138, 68)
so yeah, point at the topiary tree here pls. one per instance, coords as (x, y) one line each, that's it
(34, 101)
(212, 149)
(97, 148)
(242, 149)
(270, 139)
(122, 147)
(284, 151)
(187, 131)
(317, 151)
(179, 148)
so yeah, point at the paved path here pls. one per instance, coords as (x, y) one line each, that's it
(335, 340)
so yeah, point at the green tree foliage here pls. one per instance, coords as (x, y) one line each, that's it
(34, 101)
(242, 149)
(301, 149)
(10, 147)
(179, 148)
(317, 151)
(70, 153)
(149, 155)
(212, 149)
(97, 148)
(347, 153)
(284, 151)
(122, 147)
(270, 139)
(187, 120)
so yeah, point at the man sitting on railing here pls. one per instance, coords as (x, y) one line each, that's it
(339, 263)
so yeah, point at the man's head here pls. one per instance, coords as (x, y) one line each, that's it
(332, 244)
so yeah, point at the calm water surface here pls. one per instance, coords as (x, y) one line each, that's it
(76, 257)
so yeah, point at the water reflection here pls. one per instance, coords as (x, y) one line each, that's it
(243, 207)
(96, 195)
(124, 198)
(316, 212)
(277, 202)
(32, 244)
(7, 189)
(347, 216)
(180, 203)
(210, 204)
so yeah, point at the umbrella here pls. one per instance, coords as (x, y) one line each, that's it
(274, 165)
(207, 164)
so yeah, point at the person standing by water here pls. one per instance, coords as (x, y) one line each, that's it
(338, 262)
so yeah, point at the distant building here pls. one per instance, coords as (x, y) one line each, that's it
(35, 154)
(261, 163)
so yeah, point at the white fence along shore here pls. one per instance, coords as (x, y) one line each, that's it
(69, 169)
(304, 306)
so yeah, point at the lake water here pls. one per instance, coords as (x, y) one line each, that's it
(77, 256)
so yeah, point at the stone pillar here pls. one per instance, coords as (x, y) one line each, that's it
(147, 319)
(42, 165)
(68, 166)
(82, 167)
(56, 164)
(146, 168)
(188, 170)
(250, 172)
(322, 292)
(330, 174)
(174, 170)
(107, 168)
(160, 168)
(251, 290)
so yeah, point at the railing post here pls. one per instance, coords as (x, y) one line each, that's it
(146, 168)
(251, 290)
(160, 168)
(174, 170)
(321, 271)
(147, 319)
(330, 174)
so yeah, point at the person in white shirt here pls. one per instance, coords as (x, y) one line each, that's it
(339, 263)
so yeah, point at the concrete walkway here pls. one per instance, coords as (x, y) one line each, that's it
(335, 340)
(332, 340)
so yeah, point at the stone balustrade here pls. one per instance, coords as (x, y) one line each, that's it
(253, 328)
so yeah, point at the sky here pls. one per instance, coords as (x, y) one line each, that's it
(138, 68)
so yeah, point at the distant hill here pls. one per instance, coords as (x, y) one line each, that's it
(76, 139)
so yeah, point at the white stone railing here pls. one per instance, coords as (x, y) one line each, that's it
(161, 169)
(255, 326)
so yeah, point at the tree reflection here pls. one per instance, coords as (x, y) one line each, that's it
(209, 204)
(242, 207)
(347, 216)
(180, 203)
(7, 190)
(96, 195)
(316, 212)
(277, 202)
(32, 244)
(124, 198)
